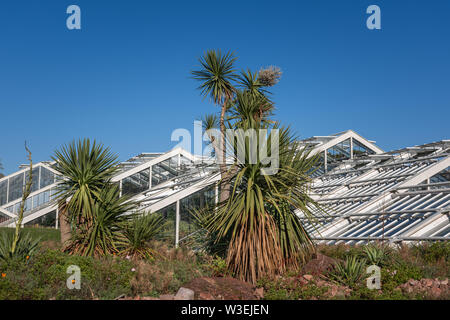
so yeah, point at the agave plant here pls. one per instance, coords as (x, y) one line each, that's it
(377, 255)
(110, 215)
(349, 273)
(139, 232)
(25, 246)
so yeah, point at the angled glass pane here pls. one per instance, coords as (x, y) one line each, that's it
(3, 192)
(47, 177)
(15, 187)
(198, 200)
(168, 232)
(164, 170)
(136, 183)
(35, 181)
(360, 150)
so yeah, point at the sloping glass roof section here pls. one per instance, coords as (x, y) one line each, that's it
(399, 195)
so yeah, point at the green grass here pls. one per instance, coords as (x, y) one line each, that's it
(46, 234)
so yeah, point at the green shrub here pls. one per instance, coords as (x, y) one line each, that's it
(218, 267)
(44, 277)
(434, 252)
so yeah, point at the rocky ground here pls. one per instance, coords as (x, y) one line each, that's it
(433, 288)
(227, 288)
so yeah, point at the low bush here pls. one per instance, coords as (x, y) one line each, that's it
(44, 276)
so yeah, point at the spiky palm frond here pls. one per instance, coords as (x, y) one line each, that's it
(249, 82)
(206, 238)
(103, 235)
(250, 111)
(216, 75)
(139, 232)
(210, 121)
(85, 169)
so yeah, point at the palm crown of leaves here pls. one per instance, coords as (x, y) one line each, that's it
(86, 168)
(216, 74)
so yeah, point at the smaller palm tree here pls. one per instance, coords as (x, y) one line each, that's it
(104, 235)
(217, 75)
(85, 169)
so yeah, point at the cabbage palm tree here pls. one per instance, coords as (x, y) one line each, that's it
(85, 168)
(216, 76)
(104, 235)
(266, 236)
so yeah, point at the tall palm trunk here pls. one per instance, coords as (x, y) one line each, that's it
(225, 184)
(64, 226)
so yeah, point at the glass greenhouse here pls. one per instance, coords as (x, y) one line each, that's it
(368, 194)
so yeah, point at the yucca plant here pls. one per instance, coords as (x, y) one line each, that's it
(377, 254)
(266, 236)
(104, 235)
(140, 230)
(85, 168)
(349, 273)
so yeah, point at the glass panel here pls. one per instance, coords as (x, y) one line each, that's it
(359, 149)
(17, 207)
(197, 200)
(443, 176)
(47, 177)
(15, 187)
(338, 152)
(136, 183)
(35, 182)
(3, 217)
(3, 191)
(164, 170)
(184, 163)
(27, 204)
(47, 220)
(169, 213)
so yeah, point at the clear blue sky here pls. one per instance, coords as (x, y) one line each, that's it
(124, 77)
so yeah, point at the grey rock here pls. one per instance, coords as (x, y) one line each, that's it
(184, 294)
